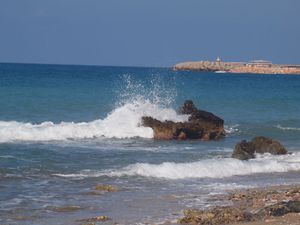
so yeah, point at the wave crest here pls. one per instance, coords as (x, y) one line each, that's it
(123, 122)
(210, 168)
(288, 128)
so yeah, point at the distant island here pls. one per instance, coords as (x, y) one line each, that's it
(255, 66)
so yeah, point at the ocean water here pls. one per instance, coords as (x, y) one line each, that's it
(65, 129)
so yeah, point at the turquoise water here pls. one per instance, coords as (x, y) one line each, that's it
(64, 129)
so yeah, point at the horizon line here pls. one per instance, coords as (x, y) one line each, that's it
(95, 65)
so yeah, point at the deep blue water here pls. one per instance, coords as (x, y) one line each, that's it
(63, 129)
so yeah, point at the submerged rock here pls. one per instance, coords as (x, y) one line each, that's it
(101, 189)
(94, 219)
(246, 150)
(69, 208)
(200, 125)
(106, 188)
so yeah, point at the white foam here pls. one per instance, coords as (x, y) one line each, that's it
(123, 122)
(210, 168)
(231, 129)
(287, 128)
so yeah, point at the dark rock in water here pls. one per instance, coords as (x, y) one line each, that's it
(268, 145)
(245, 150)
(199, 115)
(188, 107)
(200, 125)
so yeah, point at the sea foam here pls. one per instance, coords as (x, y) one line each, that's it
(123, 122)
(288, 128)
(208, 168)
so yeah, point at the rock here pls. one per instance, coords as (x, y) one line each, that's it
(216, 216)
(246, 150)
(94, 193)
(69, 208)
(101, 188)
(259, 205)
(23, 217)
(280, 209)
(233, 214)
(188, 107)
(199, 115)
(268, 145)
(105, 187)
(200, 125)
(93, 220)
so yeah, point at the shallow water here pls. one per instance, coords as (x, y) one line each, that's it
(64, 129)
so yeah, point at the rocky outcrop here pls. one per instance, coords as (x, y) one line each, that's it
(200, 125)
(238, 67)
(216, 216)
(203, 66)
(268, 145)
(259, 205)
(280, 209)
(234, 214)
(246, 150)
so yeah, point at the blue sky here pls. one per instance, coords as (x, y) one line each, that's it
(148, 33)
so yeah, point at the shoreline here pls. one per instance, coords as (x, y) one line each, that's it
(254, 206)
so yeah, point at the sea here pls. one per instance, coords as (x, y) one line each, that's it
(66, 128)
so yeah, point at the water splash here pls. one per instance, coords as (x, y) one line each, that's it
(122, 122)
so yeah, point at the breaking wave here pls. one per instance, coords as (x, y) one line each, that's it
(288, 128)
(232, 129)
(123, 122)
(209, 168)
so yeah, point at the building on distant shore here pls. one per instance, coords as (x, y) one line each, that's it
(259, 63)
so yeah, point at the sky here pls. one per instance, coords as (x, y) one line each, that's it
(148, 32)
